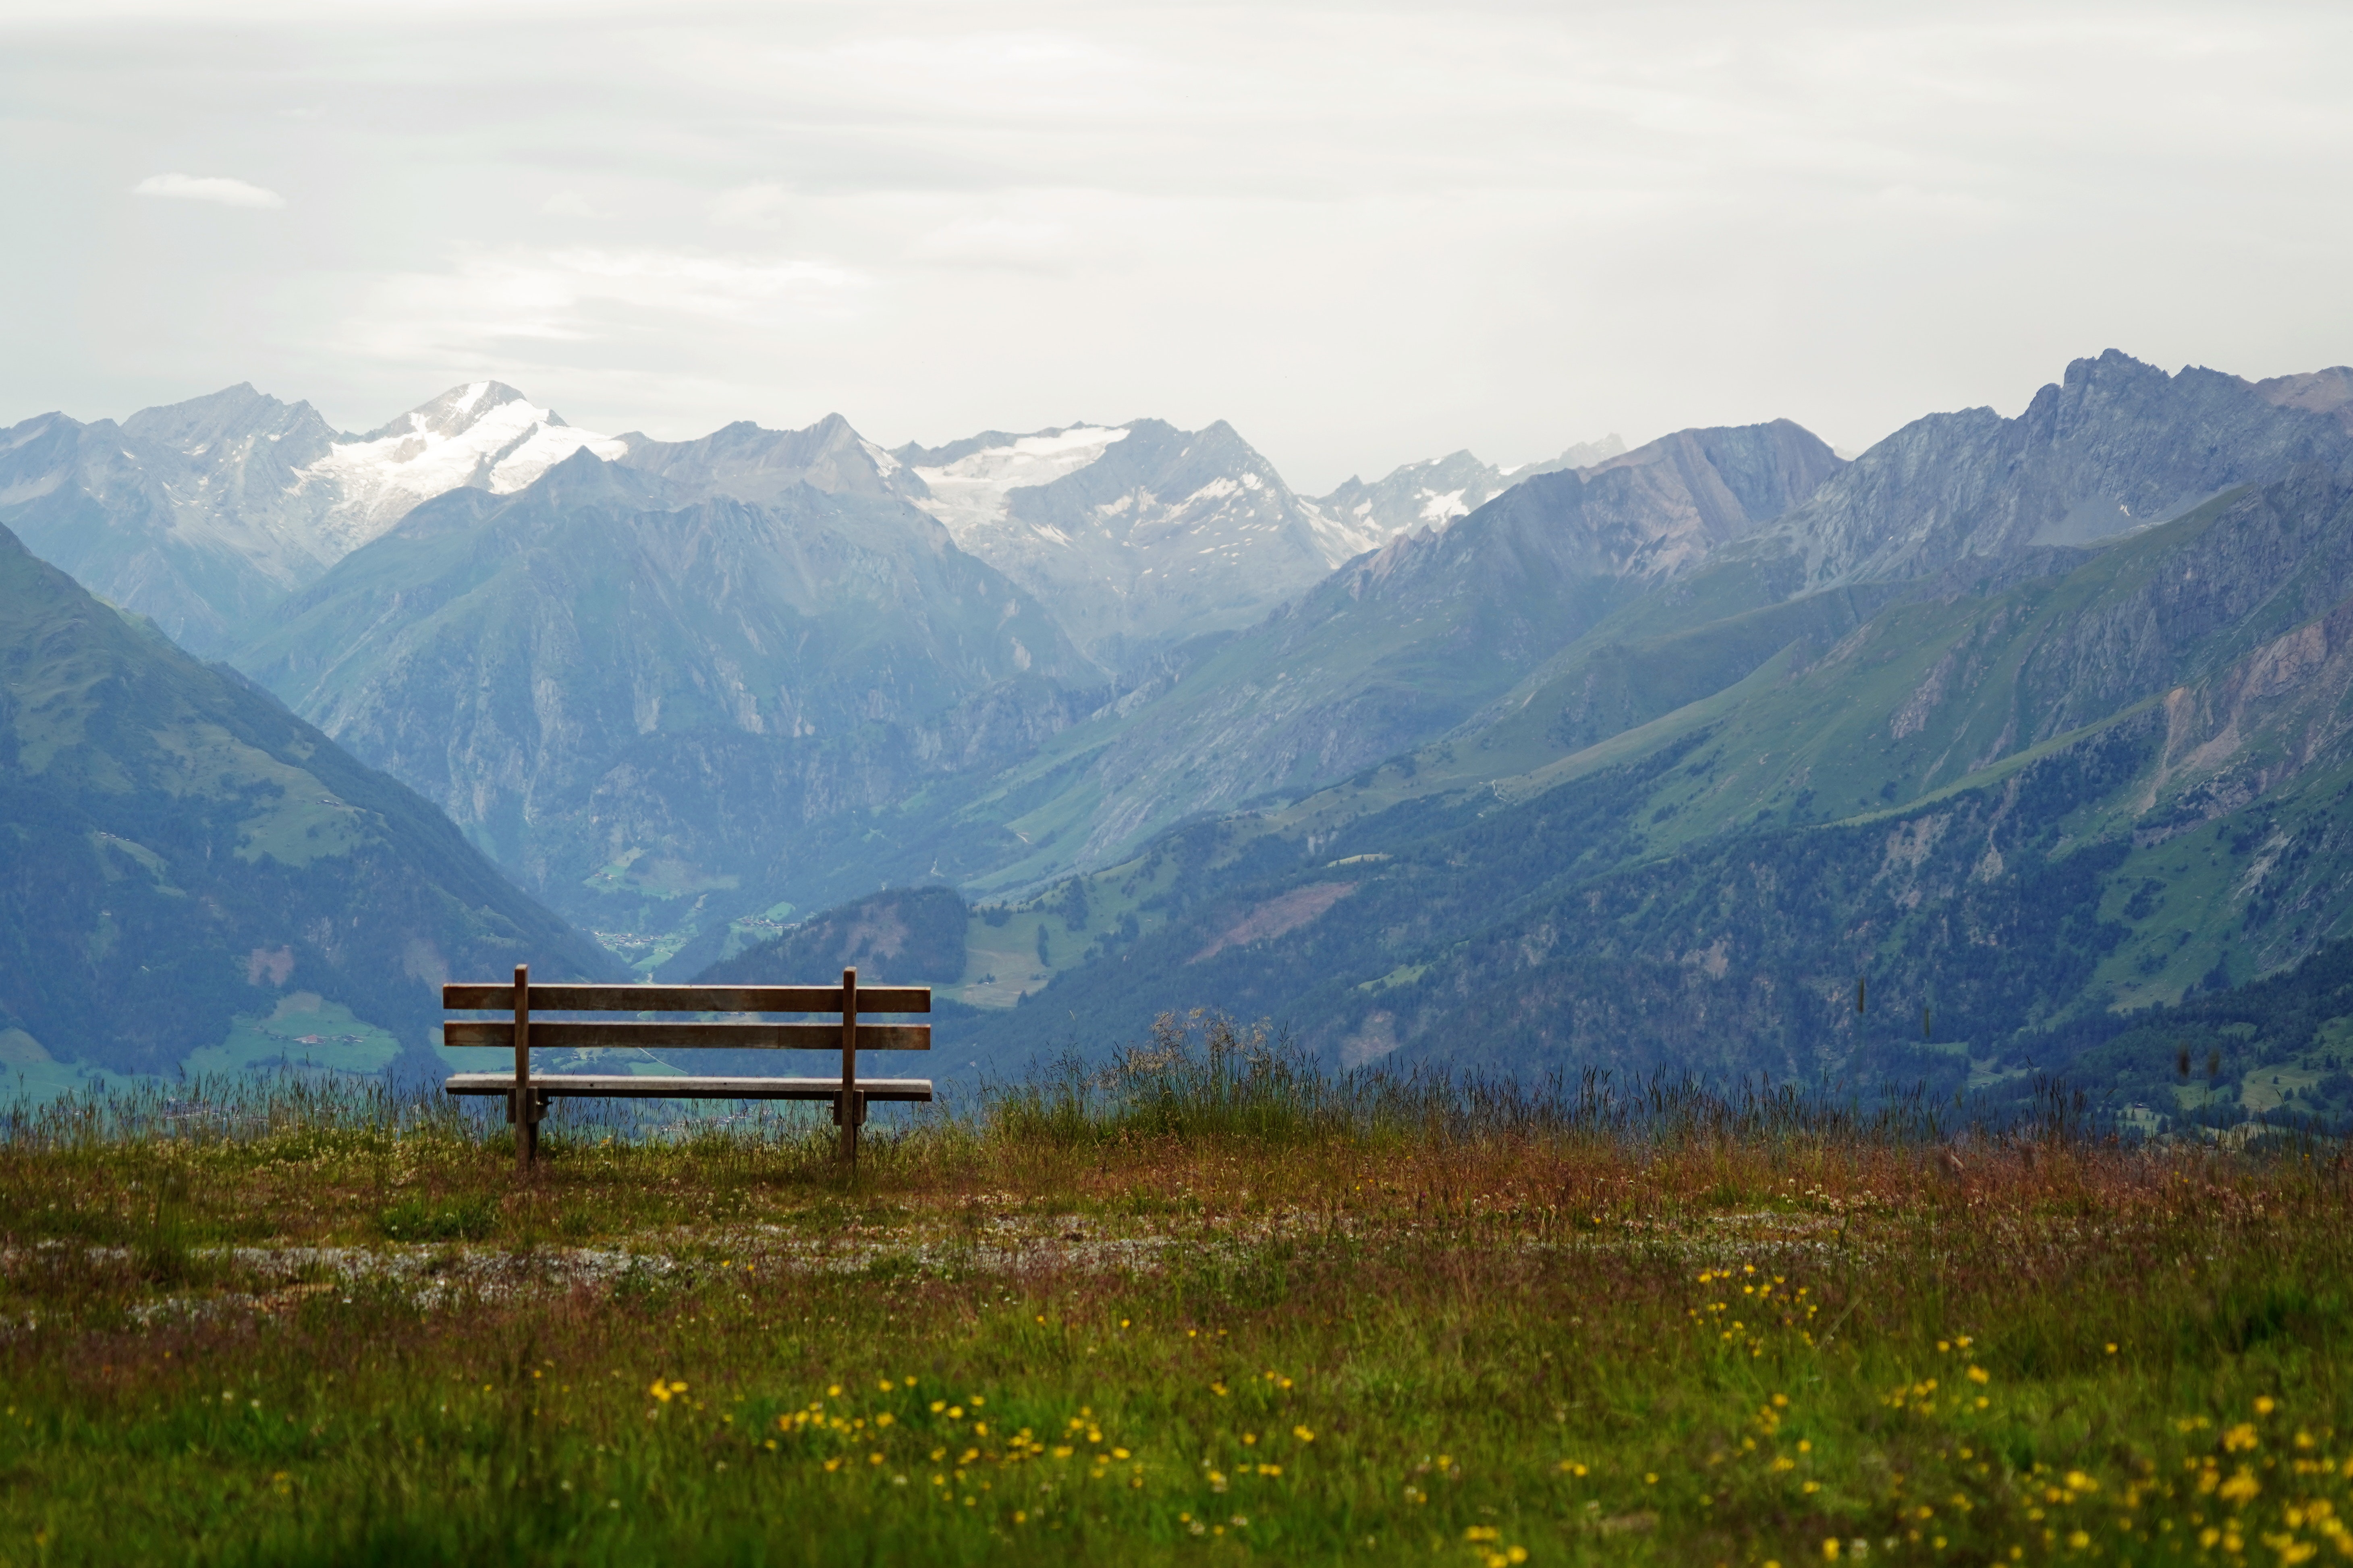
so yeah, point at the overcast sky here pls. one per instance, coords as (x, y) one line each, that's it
(1363, 234)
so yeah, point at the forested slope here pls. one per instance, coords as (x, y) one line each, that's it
(177, 849)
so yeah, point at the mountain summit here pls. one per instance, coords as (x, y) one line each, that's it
(750, 463)
(1139, 534)
(1433, 492)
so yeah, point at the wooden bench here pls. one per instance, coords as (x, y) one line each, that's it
(527, 1094)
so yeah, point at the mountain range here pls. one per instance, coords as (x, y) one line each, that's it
(670, 689)
(201, 514)
(1636, 757)
(641, 696)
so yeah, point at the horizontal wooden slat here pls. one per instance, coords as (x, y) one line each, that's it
(688, 998)
(563, 1034)
(623, 1086)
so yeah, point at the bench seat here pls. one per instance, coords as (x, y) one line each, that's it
(661, 1086)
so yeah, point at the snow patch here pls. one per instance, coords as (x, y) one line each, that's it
(1437, 508)
(435, 450)
(972, 495)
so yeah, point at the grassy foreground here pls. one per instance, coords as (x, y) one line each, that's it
(1179, 1323)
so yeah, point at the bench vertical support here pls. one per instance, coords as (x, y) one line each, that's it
(525, 1106)
(851, 1107)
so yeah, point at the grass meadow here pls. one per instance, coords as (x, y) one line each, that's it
(1204, 1307)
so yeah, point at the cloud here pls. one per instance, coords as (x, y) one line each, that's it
(207, 188)
(570, 204)
(496, 303)
(996, 242)
(760, 206)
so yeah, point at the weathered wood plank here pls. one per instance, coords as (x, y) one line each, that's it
(688, 998)
(622, 1086)
(846, 1110)
(561, 1034)
(523, 1109)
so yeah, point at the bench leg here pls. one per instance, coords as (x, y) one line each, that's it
(848, 1117)
(526, 1125)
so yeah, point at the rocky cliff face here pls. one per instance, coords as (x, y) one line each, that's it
(2325, 392)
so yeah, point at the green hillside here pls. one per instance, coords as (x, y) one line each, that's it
(910, 936)
(2277, 1051)
(191, 876)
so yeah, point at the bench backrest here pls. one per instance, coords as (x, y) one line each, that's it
(844, 1033)
(848, 1002)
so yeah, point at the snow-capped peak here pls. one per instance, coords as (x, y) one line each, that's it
(456, 410)
(484, 434)
(1138, 534)
(1432, 493)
